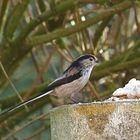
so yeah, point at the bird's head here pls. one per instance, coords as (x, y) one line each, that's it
(87, 60)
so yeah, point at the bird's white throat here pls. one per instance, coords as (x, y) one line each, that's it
(86, 75)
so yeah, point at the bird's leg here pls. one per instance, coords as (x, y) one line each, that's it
(77, 98)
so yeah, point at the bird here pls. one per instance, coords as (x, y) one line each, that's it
(70, 83)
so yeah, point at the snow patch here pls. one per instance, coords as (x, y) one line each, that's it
(130, 91)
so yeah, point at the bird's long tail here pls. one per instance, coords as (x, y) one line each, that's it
(26, 102)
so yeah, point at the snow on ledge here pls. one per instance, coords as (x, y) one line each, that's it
(130, 91)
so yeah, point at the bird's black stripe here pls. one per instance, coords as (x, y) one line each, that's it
(63, 81)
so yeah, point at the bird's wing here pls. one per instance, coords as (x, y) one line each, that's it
(65, 79)
(73, 69)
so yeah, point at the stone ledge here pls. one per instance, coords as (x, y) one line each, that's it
(96, 121)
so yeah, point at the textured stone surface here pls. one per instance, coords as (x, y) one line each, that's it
(96, 121)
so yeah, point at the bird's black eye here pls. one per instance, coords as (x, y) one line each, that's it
(91, 59)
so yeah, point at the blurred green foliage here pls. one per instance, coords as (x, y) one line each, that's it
(39, 39)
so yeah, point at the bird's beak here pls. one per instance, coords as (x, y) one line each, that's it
(97, 61)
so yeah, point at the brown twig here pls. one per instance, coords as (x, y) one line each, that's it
(25, 125)
(12, 85)
(36, 66)
(93, 90)
(42, 71)
(37, 132)
(136, 19)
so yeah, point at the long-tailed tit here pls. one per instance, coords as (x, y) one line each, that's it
(74, 78)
